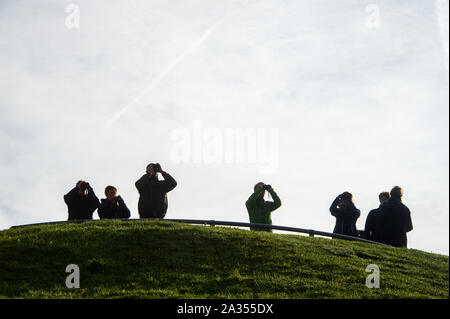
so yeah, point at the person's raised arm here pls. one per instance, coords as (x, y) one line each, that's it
(123, 208)
(276, 200)
(70, 197)
(169, 182)
(93, 199)
(334, 209)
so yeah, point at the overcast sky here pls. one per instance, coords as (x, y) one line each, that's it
(328, 96)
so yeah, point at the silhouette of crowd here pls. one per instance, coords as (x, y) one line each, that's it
(388, 224)
(82, 201)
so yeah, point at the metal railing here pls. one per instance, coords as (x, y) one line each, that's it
(310, 232)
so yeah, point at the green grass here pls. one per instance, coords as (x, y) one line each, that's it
(146, 259)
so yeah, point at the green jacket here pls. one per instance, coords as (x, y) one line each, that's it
(259, 210)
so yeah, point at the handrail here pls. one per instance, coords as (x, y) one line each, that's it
(311, 232)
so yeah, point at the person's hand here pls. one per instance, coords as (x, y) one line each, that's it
(268, 187)
(154, 169)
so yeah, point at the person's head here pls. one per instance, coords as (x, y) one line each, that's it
(110, 192)
(384, 197)
(346, 198)
(82, 188)
(153, 169)
(258, 187)
(396, 192)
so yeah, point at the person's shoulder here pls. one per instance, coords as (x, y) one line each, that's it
(405, 208)
(352, 206)
(398, 203)
(143, 177)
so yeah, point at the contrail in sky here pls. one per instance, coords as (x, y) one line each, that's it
(166, 71)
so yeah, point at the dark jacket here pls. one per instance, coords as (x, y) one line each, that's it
(372, 225)
(345, 218)
(153, 195)
(395, 222)
(79, 206)
(113, 209)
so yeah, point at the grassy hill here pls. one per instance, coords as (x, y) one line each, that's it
(145, 259)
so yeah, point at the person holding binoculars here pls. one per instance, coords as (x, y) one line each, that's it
(81, 201)
(113, 206)
(260, 210)
(346, 214)
(153, 201)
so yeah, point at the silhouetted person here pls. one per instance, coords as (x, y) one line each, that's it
(81, 201)
(113, 206)
(260, 210)
(371, 230)
(153, 192)
(346, 215)
(395, 220)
